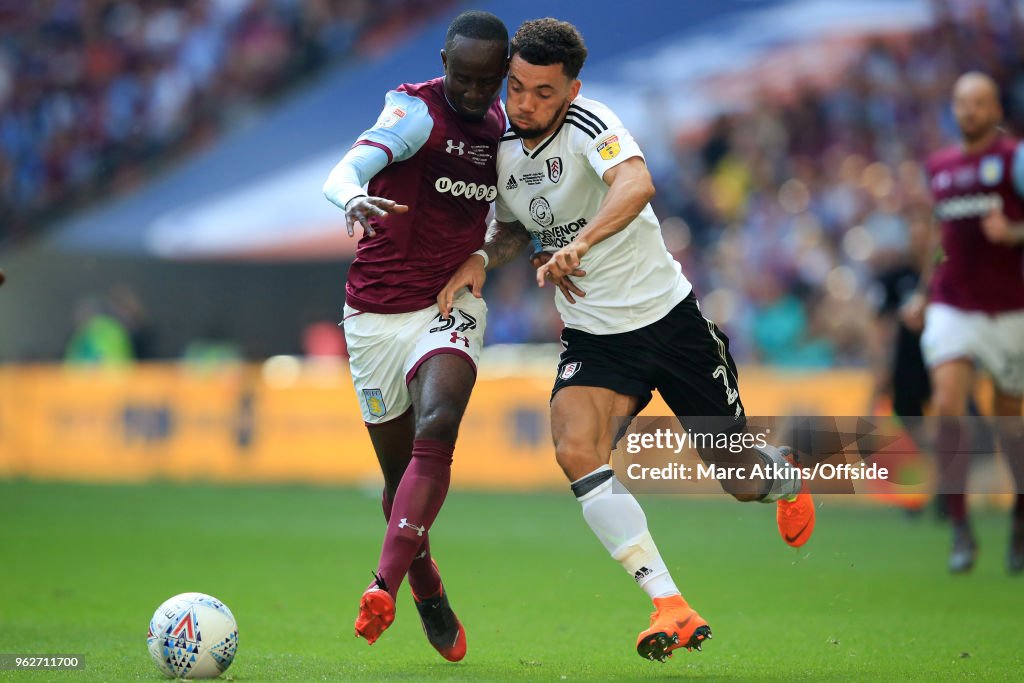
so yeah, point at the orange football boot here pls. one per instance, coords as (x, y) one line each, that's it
(376, 611)
(674, 624)
(442, 628)
(795, 516)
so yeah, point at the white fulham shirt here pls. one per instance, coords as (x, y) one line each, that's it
(556, 189)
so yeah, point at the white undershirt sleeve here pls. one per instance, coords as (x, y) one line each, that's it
(403, 127)
(349, 178)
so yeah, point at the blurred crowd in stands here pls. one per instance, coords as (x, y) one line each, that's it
(786, 215)
(795, 209)
(96, 94)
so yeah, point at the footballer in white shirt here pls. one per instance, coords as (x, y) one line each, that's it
(573, 182)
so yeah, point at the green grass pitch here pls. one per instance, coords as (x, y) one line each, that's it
(83, 568)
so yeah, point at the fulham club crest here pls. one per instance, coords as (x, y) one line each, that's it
(554, 169)
(570, 369)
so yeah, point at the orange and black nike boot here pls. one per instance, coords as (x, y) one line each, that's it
(674, 624)
(795, 516)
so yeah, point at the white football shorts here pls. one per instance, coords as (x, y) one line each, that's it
(994, 342)
(386, 349)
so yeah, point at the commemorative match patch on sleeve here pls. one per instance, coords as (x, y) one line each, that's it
(390, 118)
(609, 148)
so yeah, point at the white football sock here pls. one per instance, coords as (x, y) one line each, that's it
(620, 524)
(785, 488)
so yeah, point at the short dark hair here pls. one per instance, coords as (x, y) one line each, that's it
(476, 24)
(549, 41)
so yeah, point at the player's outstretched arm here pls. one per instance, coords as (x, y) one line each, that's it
(630, 188)
(363, 209)
(344, 187)
(1000, 230)
(503, 242)
(568, 287)
(401, 130)
(912, 310)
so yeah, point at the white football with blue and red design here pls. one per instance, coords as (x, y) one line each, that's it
(193, 635)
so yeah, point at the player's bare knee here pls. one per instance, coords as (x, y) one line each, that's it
(577, 459)
(440, 423)
(948, 404)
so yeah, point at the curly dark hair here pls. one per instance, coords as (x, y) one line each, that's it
(549, 41)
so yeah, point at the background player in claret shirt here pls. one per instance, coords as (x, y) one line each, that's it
(430, 165)
(572, 179)
(974, 317)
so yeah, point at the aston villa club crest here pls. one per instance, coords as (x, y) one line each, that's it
(374, 399)
(570, 369)
(554, 169)
(990, 171)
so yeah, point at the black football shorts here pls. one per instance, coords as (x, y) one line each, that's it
(684, 356)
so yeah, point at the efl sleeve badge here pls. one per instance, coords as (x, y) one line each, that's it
(609, 148)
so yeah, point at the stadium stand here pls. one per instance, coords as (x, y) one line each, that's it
(95, 96)
(782, 200)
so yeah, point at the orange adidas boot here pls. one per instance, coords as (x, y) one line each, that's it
(376, 612)
(674, 624)
(795, 516)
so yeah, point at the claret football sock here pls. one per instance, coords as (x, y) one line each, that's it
(952, 455)
(418, 500)
(424, 579)
(618, 521)
(956, 507)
